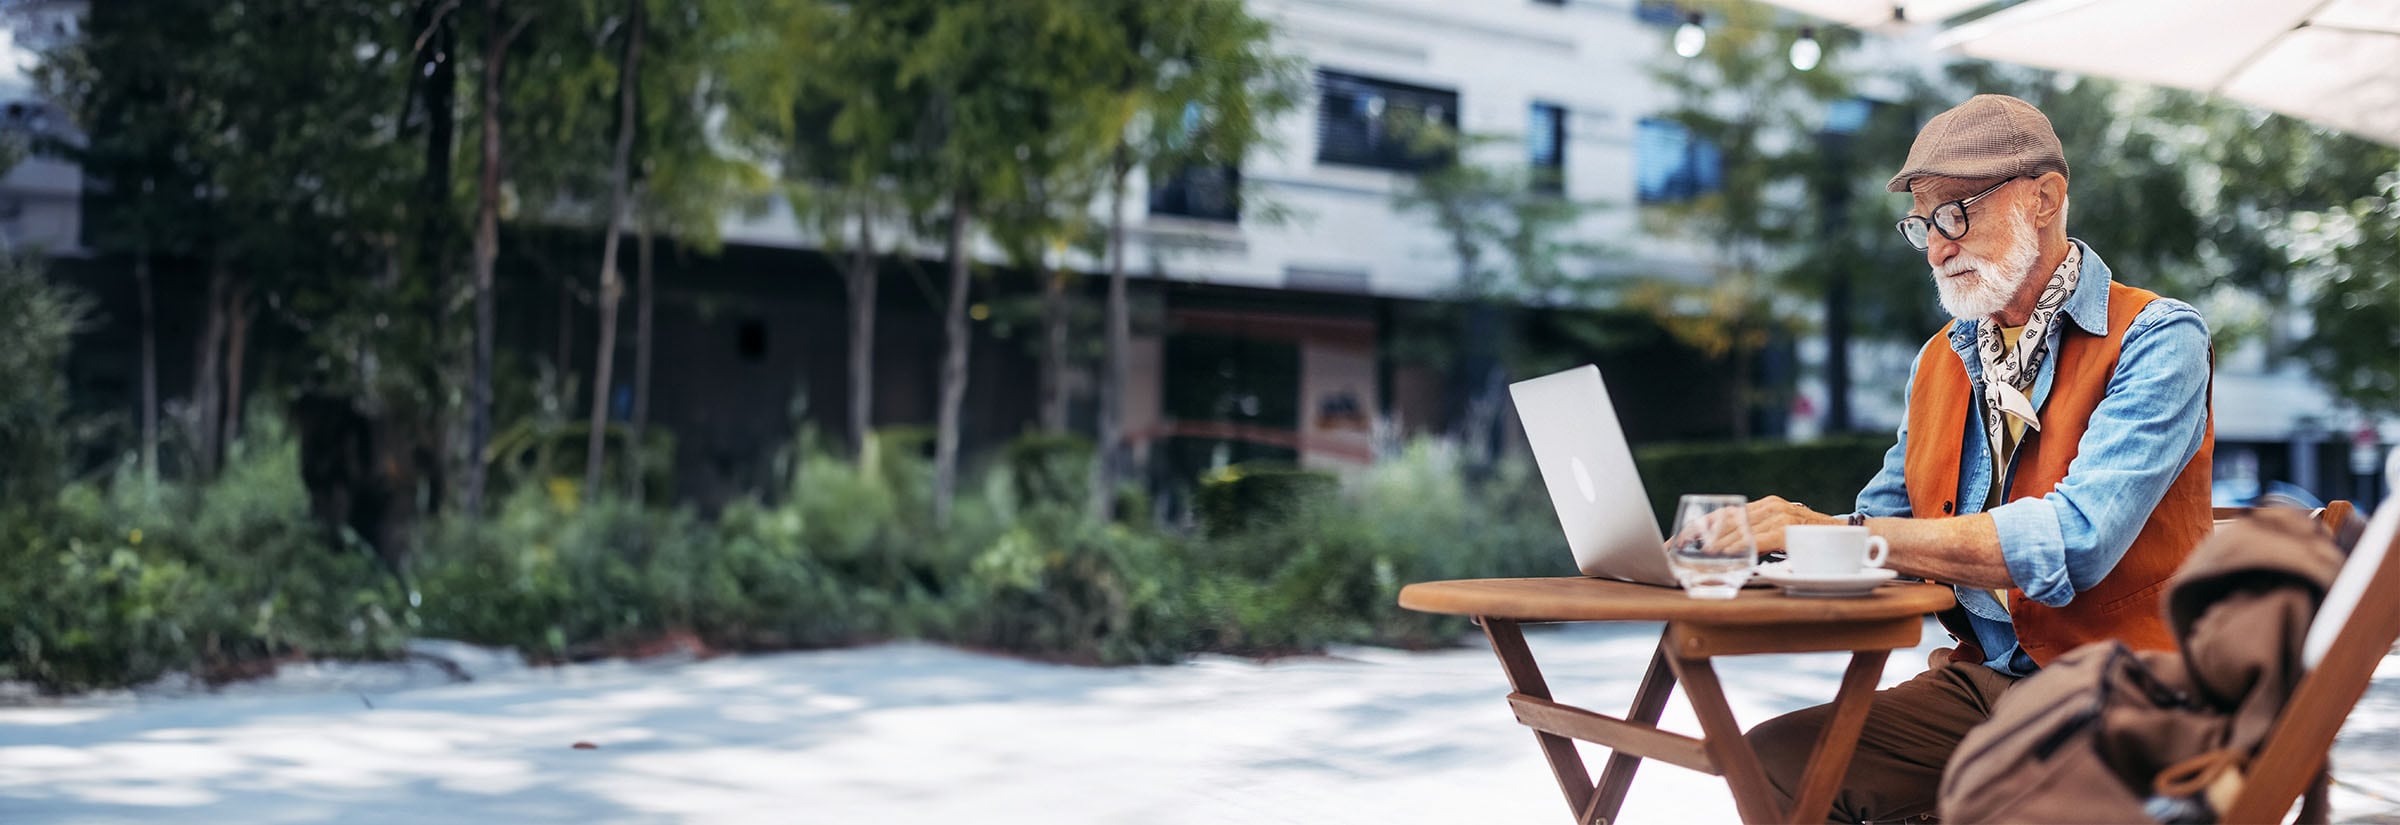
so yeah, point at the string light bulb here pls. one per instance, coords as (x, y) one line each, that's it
(1690, 38)
(1806, 51)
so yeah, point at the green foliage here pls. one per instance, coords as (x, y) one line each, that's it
(1826, 475)
(1332, 569)
(1246, 496)
(1511, 240)
(2356, 301)
(37, 321)
(110, 588)
(222, 579)
(1050, 468)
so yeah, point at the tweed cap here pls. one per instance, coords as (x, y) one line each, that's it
(1989, 136)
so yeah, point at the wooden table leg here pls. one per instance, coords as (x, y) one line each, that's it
(1648, 702)
(1526, 677)
(1753, 798)
(1830, 760)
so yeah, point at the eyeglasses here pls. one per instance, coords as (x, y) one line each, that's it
(1950, 218)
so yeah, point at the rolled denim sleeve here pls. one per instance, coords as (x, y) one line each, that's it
(2145, 430)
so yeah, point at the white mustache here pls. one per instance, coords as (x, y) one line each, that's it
(1960, 264)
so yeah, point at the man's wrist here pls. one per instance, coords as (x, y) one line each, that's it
(1858, 519)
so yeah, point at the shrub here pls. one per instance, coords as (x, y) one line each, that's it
(115, 586)
(1826, 475)
(562, 580)
(1058, 585)
(1332, 571)
(1050, 469)
(1245, 496)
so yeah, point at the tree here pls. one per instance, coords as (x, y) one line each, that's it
(1035, 229)
(128, 84)
(192, 116)
(38, 321)
(499, 30)
(1510, 241)
(1197, 81)
(832, 115)
(2351, 252)
(702, 60)
(985, 104)
(611, 286)
(1742, 96)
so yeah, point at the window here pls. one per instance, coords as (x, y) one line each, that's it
(1659, 12)
(1209, 192)
(1228, 379)
(750, 339)
(1367, 122)
(1546, 148)
(1672, 164)
(1206, 191)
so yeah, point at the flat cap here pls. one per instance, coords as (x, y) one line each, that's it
(1989, 136)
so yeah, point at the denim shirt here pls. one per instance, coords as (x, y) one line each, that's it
(2148, 426)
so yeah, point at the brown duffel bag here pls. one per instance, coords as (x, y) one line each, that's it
(2105, 734)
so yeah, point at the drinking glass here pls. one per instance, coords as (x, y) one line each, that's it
(1712, 551)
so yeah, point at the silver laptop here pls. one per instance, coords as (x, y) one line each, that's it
(1589, 470)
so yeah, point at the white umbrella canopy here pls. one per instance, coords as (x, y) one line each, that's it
(2332, 62)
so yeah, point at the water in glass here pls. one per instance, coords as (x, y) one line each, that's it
(1712, 551)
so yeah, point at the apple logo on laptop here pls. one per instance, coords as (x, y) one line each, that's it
(1583, 480)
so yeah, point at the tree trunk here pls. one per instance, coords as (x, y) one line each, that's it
(141, 280)
(954, 367)
(644, 308)
(563, 357)
(1114, 379)
(1837, 355)
(487, 253)
(237, 345)
(207, 375)
(863, 281)
(1054, 349)
(438, 62)
(612, 287)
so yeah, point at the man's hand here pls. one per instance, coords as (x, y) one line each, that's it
(1768, 517)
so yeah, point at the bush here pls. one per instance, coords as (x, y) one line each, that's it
(1826, 475)
(1332, 571)
(113, 586)
(1051, 469)
(552, 579)
(115, 590)
(845, 554)
(1246, 496)
(1058, 585)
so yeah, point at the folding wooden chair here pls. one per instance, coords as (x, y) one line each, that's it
(2292, 761)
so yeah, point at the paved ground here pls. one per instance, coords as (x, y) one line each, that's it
(909, 734)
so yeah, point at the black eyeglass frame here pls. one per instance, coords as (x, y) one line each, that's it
(1933, 225)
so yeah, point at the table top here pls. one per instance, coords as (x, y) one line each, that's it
(1576, 599)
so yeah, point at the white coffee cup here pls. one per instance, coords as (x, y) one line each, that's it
(1833, 549)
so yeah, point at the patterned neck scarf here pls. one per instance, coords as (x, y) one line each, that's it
(2008, 375)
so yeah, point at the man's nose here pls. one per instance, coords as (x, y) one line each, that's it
(1939, 249)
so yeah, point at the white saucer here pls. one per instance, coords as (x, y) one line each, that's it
(1817, 585)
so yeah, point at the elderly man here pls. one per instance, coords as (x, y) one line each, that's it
(2053, 466)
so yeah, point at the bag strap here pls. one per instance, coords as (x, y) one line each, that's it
(2215, 776)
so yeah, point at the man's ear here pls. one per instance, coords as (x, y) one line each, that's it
(2051, 193)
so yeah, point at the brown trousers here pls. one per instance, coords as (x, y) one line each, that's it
(1910, 732)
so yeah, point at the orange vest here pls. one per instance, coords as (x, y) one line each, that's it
(2125, 605)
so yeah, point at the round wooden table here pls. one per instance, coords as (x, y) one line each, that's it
(1757, 621)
